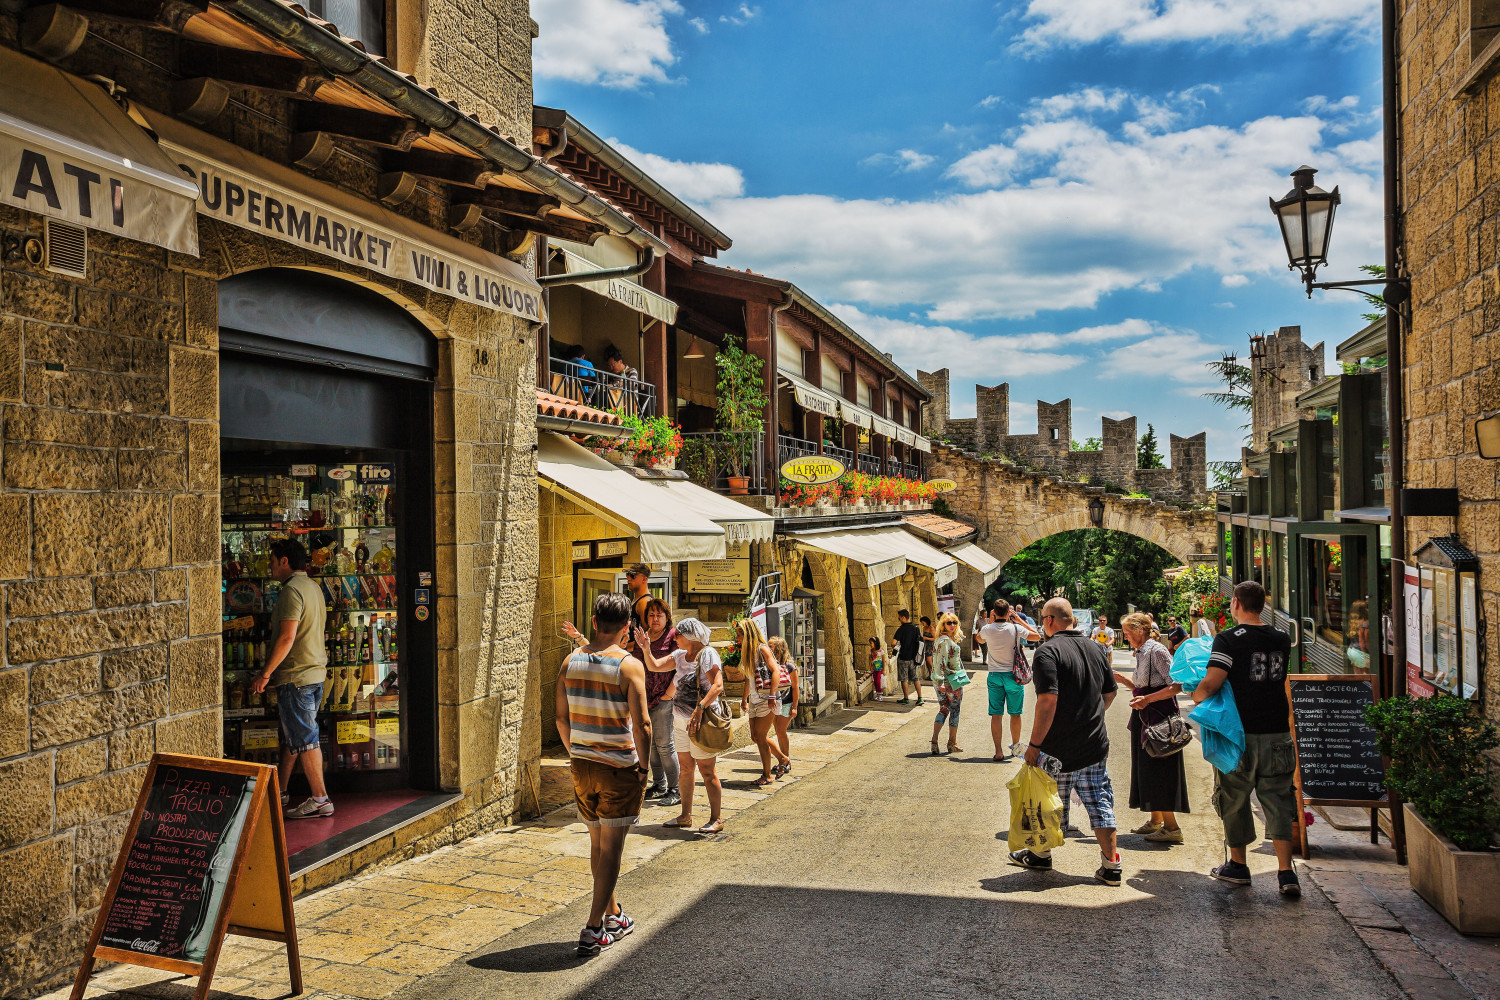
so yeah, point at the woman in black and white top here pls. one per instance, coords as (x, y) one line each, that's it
(1158, 785)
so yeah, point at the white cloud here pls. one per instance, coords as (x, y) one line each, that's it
(1143, 22)
(991, 101)
(1234, 281)
(1067, 212)
(1177, 355)
(1318, 104)
(615, 43)
(700, 24)
(743, 14)
(1087, 99)
(1112, 414)
(904, 160)
(697, 183)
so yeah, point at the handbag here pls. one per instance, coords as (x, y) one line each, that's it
(714, 731)
(1020, 668)
(1170, 735)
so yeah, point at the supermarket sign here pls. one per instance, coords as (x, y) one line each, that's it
(812, 470)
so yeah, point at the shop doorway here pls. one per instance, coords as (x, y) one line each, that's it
(326, 437)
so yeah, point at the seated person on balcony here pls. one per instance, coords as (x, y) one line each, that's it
(615, 362)
(583, 369)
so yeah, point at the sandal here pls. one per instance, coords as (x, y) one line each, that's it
(955, 748)
(762, 781)
(713, 826)
(679, 822)
(780, 770)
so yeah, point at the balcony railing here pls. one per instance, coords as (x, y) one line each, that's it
(842, 454)
(583, 383)
(788, 447)
(710, 457)
(869, 464)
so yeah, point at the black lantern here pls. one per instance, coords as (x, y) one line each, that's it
(1096, 512)
(1306, 219)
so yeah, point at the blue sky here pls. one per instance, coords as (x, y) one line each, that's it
(1066, 195)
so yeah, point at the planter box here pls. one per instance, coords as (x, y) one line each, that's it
(1461, 885)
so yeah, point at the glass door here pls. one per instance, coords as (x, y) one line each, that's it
(1335, 596)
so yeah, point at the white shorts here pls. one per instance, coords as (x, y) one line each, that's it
(761, 709)
(684, 743)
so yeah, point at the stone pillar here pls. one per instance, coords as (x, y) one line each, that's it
(1190, 463)
(991, 416)
(968, 591)
(838, 646)
(1119, 442)
(868, 623)
(1054, 426)
(935, 412)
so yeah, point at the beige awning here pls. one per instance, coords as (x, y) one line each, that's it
(976, 559)
(810, 397)
(621, 290)
(68, 151)
(669, 530)
(905, 436)
(241, 189)
(944, 567)
(880, 559)
(740, 523)
(885, 427)
(922, 444)
(856, 415)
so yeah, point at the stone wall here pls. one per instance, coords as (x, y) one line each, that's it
(1450, 184)
(1287, 369)
(477, 54)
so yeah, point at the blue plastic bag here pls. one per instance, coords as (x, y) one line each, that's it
(1190, 662)
(1223, 735)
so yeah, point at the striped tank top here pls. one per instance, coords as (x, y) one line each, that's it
(598, 710)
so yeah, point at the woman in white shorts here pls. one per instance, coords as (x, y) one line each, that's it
(700, 681)
(760, 699)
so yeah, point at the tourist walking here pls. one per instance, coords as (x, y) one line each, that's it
(787, 705)
(601, 718)
(1103, 634)
(1074, 688)
(908, 643)
(877, 666)
(929, 644)
(1158, 785)
(297, 668)
(700, 681)
(1253, 658)
(761, 694)
(1176, 634)
(665, 769)
(1003, 637)
(949, 678)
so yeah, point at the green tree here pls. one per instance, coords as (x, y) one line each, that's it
(1148, 453)
(1089, 444)
(742, 400)
(1095, 568)
(1236, 379)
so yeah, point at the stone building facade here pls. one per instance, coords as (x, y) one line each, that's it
(1050, 449)
(1281, 369)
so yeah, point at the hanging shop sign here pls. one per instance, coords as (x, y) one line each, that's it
(626, 292)
(943, 485)
(608, 550)
(812, 470)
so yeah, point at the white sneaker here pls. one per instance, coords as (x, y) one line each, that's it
(310, 809)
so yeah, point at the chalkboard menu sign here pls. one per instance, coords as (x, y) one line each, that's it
(204, 856)
(178, 863)
(1337, 753)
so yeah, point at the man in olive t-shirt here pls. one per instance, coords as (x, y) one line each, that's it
(297, 668)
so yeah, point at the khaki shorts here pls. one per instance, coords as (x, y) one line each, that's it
(1266, 769)
(761, 709)
(607, 796)
(684, 744)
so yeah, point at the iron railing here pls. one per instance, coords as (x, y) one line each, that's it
(710, 457)
(842, 454)
(788, 448)
(869, 464)
(583, 383)
(913, 472)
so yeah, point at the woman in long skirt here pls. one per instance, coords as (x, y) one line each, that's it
(1158, 785)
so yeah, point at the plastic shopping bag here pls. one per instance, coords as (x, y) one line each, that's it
(1035, 810)
(1190, 662)
(1223, 734)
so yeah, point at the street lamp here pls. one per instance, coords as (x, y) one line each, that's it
(1305, 215)
(1096, 512)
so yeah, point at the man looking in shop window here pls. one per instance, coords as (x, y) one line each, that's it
(908, 640)
(297, 668)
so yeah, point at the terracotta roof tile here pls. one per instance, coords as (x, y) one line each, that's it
(943, 527)
(549, 405)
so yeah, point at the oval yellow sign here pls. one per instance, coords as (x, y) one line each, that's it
(812, 470)
(943, 485)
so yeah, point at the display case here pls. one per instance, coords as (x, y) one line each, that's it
(344, 514)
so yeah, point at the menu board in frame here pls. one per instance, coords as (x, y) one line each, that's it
(204, 856)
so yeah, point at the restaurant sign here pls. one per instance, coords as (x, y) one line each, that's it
(812, 470)
(943, 485)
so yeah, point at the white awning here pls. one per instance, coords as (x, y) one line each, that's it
(810, 397)
(944, 567)
(922, 444)
(669, 530)
(977, 559)
(740, 523)
(68, 151)
(881, 560)
(856, 415)
(241, 189)
(885, 427)
(621, 290)
(905, 436)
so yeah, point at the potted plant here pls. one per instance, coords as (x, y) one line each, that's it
(1437, 751)
(742, 408)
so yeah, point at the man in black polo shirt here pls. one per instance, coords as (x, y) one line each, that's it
(1074, 688)
(1253, 658)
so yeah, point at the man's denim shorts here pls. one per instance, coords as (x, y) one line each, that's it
(298, 708)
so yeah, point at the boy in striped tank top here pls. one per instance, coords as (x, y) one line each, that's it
(601, 717)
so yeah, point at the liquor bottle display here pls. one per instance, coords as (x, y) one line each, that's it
(349, 528)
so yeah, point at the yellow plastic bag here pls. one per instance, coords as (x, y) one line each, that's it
(1035, 810)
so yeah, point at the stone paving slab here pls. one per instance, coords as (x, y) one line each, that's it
(380, 931)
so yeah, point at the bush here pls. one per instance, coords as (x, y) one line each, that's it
(1438, 752)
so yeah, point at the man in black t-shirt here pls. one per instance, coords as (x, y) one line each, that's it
(1074, 688)
(1176, 634)
(908, 642)
(1254, 658)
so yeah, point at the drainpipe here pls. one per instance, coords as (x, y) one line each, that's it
(1395, 374)
(770, 452)
(556, 150)
(643, 263)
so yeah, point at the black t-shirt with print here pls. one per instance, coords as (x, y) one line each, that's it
(910, 639)
(1256, 657)
(1077, 670)
(1177, 636)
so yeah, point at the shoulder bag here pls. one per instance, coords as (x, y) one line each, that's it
(1162, 739)
(951, 663)
(1020, 667)
(713, 733)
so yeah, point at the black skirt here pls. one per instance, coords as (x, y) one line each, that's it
(1157, 784)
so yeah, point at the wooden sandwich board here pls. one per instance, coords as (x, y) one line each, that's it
(1338, 758)
(204, 856)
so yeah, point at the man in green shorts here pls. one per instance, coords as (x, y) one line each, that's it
(1002, 637)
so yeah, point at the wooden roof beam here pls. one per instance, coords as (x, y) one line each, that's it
(282, 74)
(171, 15)
(356, 125)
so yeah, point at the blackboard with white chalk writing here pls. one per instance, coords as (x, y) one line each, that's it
(1337, 751)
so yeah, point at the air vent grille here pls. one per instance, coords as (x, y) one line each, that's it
(67, 249)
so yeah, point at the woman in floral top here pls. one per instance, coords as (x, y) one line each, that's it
(949, 678)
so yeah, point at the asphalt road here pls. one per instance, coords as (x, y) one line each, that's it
(884, 875)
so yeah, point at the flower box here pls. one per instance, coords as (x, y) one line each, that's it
(1459, 884)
